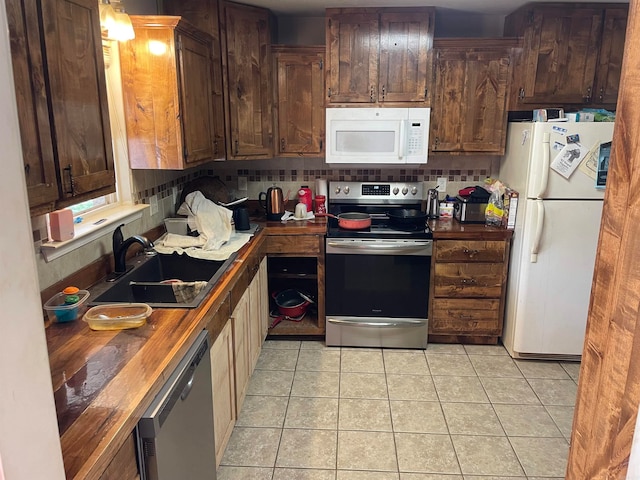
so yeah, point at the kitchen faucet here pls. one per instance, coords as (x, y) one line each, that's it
(121, 246)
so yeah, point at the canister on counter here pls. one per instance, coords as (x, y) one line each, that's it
(304, 196)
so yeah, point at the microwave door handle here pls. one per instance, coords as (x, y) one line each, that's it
(402, 141)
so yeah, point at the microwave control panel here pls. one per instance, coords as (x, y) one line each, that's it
(415, 137)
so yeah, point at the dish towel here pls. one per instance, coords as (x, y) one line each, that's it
(212, 221)
(289, 216)
(171, 243)
(187, 291)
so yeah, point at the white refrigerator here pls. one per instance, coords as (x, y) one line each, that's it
(555, 239)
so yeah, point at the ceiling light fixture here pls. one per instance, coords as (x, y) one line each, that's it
(114, 21)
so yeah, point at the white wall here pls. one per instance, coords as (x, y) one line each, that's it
(29, 441)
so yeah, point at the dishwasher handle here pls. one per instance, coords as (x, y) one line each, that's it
(187, 388)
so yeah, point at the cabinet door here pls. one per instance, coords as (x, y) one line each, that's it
(300, 89)
(241, 348)
(31, 98)
(79, 111)
(224, 399)
(470, 104)
(248, 82)
(406, 41)
(561, 50)
(352, 53)
(255, 322)
(203, 14)
(194, 63)
(610, 59)
(264, 298)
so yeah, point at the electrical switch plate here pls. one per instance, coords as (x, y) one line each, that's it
(153, 202)
(242, 183)
(442, 184)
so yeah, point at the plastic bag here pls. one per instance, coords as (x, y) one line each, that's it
(495, 206)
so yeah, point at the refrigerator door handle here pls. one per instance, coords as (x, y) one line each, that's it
(544, 168)
(538, 232)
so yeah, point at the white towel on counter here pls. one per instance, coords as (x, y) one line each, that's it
(212, 221)
(235, 243)
(290, 216)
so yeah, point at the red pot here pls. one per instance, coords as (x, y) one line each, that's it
(350, 220)
(291, 303)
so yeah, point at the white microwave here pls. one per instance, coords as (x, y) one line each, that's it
(392, 136)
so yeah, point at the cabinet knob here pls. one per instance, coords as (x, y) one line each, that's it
(72, 189)
(282, 145)
(601, 96)
(587, 97)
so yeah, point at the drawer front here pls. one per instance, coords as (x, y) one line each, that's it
(468, 280)
(303, 245)
(470, 251)
(465, 317)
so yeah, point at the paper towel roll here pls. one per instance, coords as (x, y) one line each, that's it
(321, 187)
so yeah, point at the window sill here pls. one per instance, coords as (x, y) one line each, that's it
(93, 226)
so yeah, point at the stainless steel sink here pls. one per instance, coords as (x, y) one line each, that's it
(143, 283)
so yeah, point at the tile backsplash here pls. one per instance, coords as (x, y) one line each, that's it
(288, 173)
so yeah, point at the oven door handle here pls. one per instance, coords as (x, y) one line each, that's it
(386, 324)
(377, 247)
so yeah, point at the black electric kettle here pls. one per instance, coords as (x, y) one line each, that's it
(273, 202)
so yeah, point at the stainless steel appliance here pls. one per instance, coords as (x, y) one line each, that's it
(377, 278)
(175, 434)
(273, 202)
(467, 210)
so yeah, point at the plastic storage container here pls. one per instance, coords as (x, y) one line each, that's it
(176, 225)
(60, 312)
(117, 316)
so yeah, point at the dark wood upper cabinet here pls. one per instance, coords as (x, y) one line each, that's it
(299, 91)
(203, 14)
(62, 101)
(246, 42)
(379, 55)
(609, 67)
(469, 113)
(170, 127)
(566, 58)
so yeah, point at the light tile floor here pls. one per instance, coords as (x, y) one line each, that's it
(450, 412)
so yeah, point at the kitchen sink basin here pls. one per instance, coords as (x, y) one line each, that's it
(152, 277)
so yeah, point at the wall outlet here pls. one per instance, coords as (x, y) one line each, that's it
(442, 184)
(242, 183)
(153, 202)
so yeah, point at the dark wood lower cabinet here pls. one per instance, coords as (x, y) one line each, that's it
(468, 290)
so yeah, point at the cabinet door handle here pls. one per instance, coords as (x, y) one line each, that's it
(72, 189)
(521, 94)
(282, 145)
(371, 94)
(329, 92)
(468, 281)
(471, 253)
(383, 92)
(587, 98)
(601, 96)
(237, 147)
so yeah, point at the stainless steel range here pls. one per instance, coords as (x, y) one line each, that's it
(377, 278)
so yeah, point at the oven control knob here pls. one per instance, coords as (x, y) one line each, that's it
(395, 190)
(338, 189)
(405, 190)
(414, 190)
(346, 190)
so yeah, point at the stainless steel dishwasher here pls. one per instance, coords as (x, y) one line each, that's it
(175, 434)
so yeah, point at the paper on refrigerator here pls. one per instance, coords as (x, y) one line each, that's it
(568, 159)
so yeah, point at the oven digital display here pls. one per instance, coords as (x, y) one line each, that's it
(378, 189)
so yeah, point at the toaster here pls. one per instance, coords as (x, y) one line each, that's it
(469, 210)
